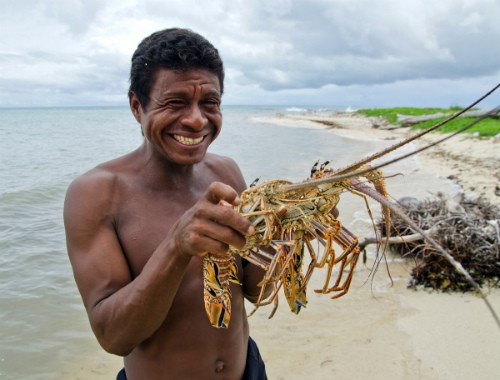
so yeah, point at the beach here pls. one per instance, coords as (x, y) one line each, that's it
(471, 162)
(380, 329)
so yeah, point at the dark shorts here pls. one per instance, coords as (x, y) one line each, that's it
(121, 375)
(254, 370)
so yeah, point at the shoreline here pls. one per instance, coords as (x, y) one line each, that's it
(470, 162)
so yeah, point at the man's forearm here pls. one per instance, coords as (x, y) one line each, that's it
(133, 313)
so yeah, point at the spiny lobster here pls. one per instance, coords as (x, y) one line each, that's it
(287, 216)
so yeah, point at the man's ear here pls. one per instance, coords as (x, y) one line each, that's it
(135, 106)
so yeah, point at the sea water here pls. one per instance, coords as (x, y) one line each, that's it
(43, 325)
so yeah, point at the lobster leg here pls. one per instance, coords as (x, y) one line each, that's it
(279, 264)
(349, 257)
(293, 280)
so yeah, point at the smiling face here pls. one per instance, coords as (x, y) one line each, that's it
(183, 115)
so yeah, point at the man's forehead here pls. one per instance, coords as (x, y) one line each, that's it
(167, 80)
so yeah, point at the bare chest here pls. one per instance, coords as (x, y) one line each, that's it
(144, 220)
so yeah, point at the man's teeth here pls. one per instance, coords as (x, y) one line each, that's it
(187, 140)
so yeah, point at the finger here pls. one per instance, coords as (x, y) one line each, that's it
(217, 238)
(227, 197)
(224, 203)
(229, 237)
(226, 215)
(218, 191)
(207, 244)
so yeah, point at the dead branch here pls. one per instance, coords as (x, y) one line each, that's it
(470, 234)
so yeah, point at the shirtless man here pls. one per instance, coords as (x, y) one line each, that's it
(138, 226)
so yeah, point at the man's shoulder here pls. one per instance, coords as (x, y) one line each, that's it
(101, 175)
(100, 182)
(226, 170)
(217, 161)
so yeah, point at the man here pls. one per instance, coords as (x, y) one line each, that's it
(138, 226)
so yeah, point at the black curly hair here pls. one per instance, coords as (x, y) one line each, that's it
(174, 49)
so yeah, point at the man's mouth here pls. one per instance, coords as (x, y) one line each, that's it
(187, 140)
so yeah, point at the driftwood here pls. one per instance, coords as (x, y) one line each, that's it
(469, 230)
(393, 240)
(408, 120)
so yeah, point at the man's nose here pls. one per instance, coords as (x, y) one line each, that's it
(194, 118)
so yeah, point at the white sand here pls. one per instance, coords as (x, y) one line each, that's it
(379, 331)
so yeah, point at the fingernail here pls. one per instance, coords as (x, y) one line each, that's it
(251, 230)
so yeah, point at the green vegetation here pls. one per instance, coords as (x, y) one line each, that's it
(391, 114)
(487, 127)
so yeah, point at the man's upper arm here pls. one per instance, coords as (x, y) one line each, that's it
(98, 262)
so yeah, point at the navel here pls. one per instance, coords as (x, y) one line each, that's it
(219, 366)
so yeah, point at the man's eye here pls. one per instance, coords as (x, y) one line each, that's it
(175, 103)
(212, 102)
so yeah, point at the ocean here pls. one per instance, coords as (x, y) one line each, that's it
(44, 328)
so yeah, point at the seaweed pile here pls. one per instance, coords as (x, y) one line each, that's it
(469, 229)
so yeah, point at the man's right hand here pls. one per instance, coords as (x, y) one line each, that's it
(210, 225)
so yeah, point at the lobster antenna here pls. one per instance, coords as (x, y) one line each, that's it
(345, 175)
(372, 168)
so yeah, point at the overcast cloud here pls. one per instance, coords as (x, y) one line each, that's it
(356, 53)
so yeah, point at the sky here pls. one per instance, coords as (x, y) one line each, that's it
(345, 53)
